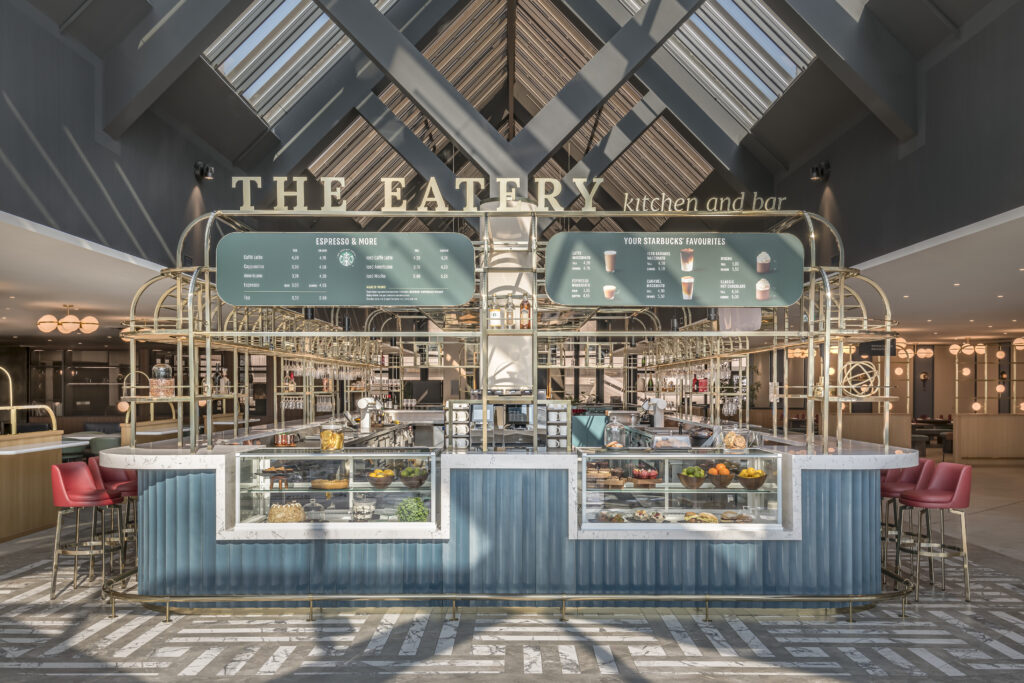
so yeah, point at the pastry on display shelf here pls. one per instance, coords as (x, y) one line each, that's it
(288, 512)
(329, 484)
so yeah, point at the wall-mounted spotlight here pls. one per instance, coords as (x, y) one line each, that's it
(821, 171)
(924, 379)
(203, 171)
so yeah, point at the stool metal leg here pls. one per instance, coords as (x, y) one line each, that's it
(56, 554)
(942, 543)
(899, 539)
(885, 534)
(917, 575)
(931, 560)
(92, 539)
(78, 521)
(103, 549)
(963, 550)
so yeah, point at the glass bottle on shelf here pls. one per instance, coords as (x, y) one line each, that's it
(161, 380)
(291, 386)
(510, 313)
(614, 433)
(495, 314)
(650, 384)
(524, 313)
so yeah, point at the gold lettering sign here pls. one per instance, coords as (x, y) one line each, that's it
(290, 195)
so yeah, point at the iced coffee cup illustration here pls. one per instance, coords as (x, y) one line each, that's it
(609, 292)
(609, 261)
(762, 290)
(764, 262)
(686, 260)
(686, 282)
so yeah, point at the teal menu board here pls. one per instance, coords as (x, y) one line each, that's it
(707, 269)
(345, 269)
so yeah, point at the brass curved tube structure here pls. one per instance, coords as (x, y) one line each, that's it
(206, 323)
(124, 388)
(13, 409)
(10, 386)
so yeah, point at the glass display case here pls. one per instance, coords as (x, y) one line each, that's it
(711, 487)
(289, 485)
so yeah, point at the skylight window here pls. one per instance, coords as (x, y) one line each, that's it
(277, 50)
(740, 52)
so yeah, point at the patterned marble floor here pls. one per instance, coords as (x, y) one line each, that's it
(72, 637)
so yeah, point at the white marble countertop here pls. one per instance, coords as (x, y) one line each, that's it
(35, 448)
(794, 460)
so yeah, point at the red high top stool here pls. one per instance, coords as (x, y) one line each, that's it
(75, 489)
(893, 485)
(947, 488)
(123, 484)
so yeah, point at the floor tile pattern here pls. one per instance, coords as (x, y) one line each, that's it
(942, 637)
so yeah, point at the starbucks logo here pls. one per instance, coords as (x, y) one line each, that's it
(346, 257)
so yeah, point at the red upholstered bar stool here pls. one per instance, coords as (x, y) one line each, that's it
(893, 485)
(122, 483)
(75, 489)
(947, 488)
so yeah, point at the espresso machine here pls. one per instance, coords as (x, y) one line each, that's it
(369, 408)
(653, 412)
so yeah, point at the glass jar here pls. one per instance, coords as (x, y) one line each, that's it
(161, 380)
(614, 434)
(314, 511)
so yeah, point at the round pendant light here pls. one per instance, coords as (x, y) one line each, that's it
(68, 324)
(967, 350)
(1000, 388)
(47, 324)
(1000, 354)
(966, 372)
(979, 349)
(89, 324)
(954, 349)
(975, 406)
(1018, 343)
(898, 371)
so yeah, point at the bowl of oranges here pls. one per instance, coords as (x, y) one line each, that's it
(752, 479)
(720, 475)
(381, 479)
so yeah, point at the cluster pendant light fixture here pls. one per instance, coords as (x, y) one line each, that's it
(68, 323)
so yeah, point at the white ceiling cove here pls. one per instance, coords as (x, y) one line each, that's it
(41, 269)
(965, 283)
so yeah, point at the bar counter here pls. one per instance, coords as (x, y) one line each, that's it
(509, 523)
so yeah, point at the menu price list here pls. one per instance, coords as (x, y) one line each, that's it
(684, 269)
(345, 269)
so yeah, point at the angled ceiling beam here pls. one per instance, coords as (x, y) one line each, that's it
(155, 53)
(511, 9)
(315, 118)
(411, 148)
(600, 158)
(421, 82)
(598, 80)
(866, 57)
(713, 131)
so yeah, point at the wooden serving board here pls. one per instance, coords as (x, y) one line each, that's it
(646, 483)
